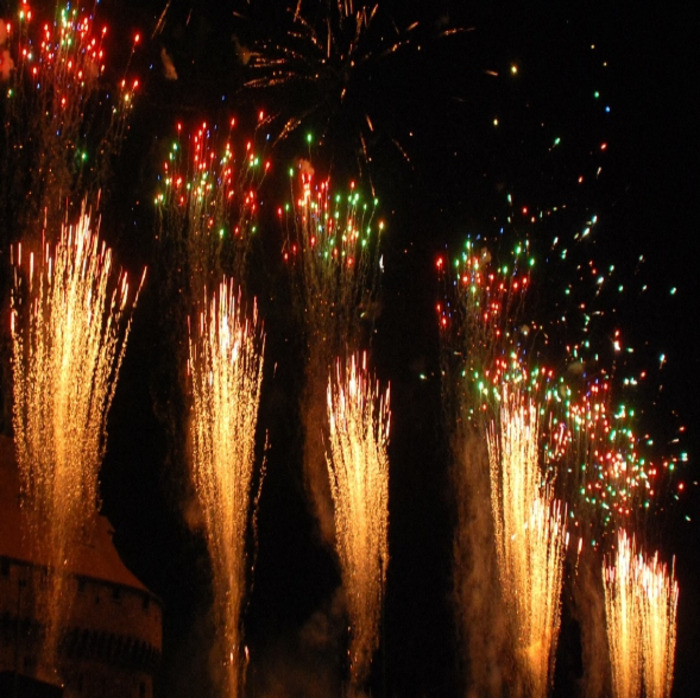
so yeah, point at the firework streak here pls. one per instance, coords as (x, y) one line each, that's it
(225, 370)
(530, 538)
(641, 601)
(71, 316)
(358, 469)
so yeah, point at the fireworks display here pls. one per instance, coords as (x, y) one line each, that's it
(641, 599)
(64, 121)
(358, 468)
(207, 203)
(332, 249)
(327, 67)
(530, 539)
(535, 198)
(70, 321)
(225, 370)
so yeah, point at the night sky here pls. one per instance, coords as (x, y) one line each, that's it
(568, 110)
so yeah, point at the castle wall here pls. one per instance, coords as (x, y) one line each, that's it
(111, 647)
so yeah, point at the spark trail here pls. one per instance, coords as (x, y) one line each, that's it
(207, 203)
(334, 67)
(530, 537)
(641, 600)
(358, 469)
(332, 249)
(71, 315)
(225, 370)
(66, 116)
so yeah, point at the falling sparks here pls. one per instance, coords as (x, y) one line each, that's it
(71, 315)
(65, 121)
(641, 600)
(225, 370)
(207, 203)
(530, 539)
(358, 469)
(333, 248)
(332, 252)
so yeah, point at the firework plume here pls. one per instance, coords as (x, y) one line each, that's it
(225, 370)
(358, 469)
(71, 315)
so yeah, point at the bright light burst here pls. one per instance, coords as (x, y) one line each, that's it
(530, 537)
(358, 469)
(592, 442)
(225, 370)
(64, 122)
(333, 249)
(207, 204)
(330, 68)
(641, 600)
(481, 323)
(71, 314)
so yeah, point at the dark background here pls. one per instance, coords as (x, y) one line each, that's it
(450, 177)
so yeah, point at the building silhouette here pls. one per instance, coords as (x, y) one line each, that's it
(112, 643)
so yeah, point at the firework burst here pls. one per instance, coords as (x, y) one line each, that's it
(332, 249)
(63, 121)
(358, 469)
(641, 600)
(225, 370)
(70, 321)
(330, 70)
(207, 205)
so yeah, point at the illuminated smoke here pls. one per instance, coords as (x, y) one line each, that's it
(358, 469)
(225, 369)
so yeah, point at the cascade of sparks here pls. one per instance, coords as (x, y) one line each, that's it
(207, 203)
(358, 469)
(332, 249)
(641, 600)
(71, 315)
(225, 369)
(65, 124)
(600, 455)
(332, 244)
(328, 65)
(530, 538)
(480, 315)
(590, 442)
(592, 455)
